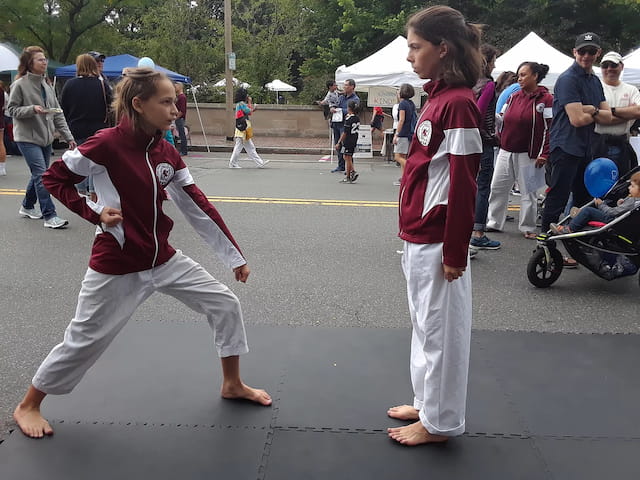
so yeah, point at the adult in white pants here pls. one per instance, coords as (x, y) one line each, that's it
(524, 149)
(510, 167)
(244, 131)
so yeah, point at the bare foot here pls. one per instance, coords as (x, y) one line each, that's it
(414, 434)
(31, 422)
(403, 412)
(245, 392)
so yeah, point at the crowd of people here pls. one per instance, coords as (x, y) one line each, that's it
(453, 189)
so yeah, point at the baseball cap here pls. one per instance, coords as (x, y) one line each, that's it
(587, 39)
(613, 57)
(97, 55)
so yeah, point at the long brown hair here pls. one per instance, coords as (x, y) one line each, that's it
(86, 66)
(462, 65)
(26, 59)
(137, 82)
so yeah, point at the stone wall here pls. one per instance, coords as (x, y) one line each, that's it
(271, 120)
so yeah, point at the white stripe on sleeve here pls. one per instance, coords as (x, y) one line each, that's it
(462, 141)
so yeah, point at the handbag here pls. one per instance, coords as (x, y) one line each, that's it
(337, 116)
(241, 122)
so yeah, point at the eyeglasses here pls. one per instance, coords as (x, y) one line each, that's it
(609, 65)
(587, 51)
(100, 60)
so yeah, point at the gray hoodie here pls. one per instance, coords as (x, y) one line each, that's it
(29, 126)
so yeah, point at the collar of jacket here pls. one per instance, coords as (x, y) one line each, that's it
(138, 138)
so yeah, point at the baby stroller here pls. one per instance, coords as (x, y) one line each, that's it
(610, 250)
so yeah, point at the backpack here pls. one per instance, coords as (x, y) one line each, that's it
(414, 122)
(241, 120)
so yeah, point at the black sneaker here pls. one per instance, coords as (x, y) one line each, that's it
(353, 176)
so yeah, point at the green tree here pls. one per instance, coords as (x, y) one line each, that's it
(55, 25)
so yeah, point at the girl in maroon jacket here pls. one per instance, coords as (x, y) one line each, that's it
(524, 149)
(437, 199)
(131, 258)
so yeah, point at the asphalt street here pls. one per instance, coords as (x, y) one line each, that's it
(321, 254)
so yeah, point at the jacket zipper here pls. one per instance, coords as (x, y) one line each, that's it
(155, 205)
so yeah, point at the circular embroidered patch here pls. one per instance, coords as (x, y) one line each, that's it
(164, 172)
(424, 132)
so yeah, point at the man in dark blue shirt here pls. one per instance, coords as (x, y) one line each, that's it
(348, 94)
(578, 104)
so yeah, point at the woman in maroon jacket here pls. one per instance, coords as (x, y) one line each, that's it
(524, 149)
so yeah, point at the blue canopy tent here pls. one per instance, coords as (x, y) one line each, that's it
(114, 65)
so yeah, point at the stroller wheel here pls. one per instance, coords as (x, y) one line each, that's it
(542, 273)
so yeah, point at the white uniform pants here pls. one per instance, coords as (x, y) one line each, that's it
(441, 339)
(106, 302)
(249, 147)
(507, 170)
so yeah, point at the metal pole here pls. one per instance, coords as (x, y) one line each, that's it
(228, 74)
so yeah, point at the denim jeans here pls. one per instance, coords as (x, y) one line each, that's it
(184, 149)
(37, 159)
(485, 174)
(586, 215)
(337, 129)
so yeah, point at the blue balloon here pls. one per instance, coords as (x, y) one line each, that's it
(146, 62)
(599, 176)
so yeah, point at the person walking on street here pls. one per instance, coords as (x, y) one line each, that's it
(36, 114)
(244, 132)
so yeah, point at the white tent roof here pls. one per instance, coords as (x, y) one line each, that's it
(280, 86)
(631, 72)
(235, 81)
(532, 48)
(9, 59)
(388, 67)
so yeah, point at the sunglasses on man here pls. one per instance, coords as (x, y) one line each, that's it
(587, 51)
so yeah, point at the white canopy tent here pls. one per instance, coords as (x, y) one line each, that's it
(388, 67)
(9, 58)
(631, 72)
(279, 86)
(236, 82)
(532, 48)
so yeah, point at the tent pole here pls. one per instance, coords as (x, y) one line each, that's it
(206, 142)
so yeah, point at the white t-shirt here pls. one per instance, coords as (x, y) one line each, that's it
(622, 95)
(5, 112)
(394, 115)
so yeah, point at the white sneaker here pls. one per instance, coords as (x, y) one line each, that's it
(56, 222)
(234, 165)
(3, 170)
(34, 212)
(264, 163)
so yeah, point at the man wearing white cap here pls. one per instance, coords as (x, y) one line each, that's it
(612, 140)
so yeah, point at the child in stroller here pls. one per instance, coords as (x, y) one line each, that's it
(602, 212)
(609, 248)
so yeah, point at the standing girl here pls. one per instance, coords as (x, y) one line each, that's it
(524, 149)
(437, 198)
(131, 257)
(36, 114)
(244, 131)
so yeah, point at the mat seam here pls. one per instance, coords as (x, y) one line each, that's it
(266, 451)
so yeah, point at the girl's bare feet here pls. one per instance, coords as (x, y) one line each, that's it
(242, 391)
(31, 422)
(414, 434)
(403, 412)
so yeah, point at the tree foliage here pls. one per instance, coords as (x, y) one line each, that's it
(298, 41)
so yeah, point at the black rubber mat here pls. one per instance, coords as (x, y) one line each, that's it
(540, 406)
